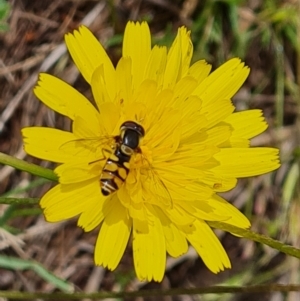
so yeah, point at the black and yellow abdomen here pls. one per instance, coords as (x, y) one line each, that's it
(114, 172)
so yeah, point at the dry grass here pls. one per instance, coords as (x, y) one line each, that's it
(221, 30)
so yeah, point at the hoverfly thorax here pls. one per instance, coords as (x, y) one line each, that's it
(131, 134)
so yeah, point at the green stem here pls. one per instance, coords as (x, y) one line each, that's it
(153, 293)
(244, 233)
(26, 212)
(28, 167)
(18, 201)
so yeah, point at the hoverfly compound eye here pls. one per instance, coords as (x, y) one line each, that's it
(131, 125)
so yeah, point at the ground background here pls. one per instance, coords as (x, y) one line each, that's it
(265, 34)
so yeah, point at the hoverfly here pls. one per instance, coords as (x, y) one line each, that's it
(116, 168)
(116, 165)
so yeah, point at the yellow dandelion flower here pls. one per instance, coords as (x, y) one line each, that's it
(148, 161)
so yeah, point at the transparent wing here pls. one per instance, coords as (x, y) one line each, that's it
(90, 147)
(156, 186)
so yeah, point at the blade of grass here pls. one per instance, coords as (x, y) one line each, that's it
(17, 264)
(32, 184)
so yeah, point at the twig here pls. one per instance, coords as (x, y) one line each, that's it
(157, 292)
(24, 65)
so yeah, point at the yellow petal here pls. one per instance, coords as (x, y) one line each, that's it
(140, 108)
(94, 214)
(200, 117)
(157, 107)
(223, 82)
(192, 155)
(182, 92)
(176, 243)
(100, 87)
(209, 248)
(137, 46)
(66, 201)
(207, 139)
(199, 70)
(110, 115)
(161, 134)
(179, 216)
(74, 172)
(217, 181)
(81, 128)
(247, 124)
(64, 99)
(216, 111)
(222, 207)
(156, 65)
(124, 84)
(217, 135)
(113, 237)
(186, 50)
(46, 143)
(181, 189)
(88, 54)
(194, 121)
(246, 162)
(179, 57)
(173, 67)
(204, 211)
(149, 250)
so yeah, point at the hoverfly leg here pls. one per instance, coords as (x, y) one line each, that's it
(104, 157)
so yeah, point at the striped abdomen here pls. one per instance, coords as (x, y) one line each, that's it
(114, 172)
